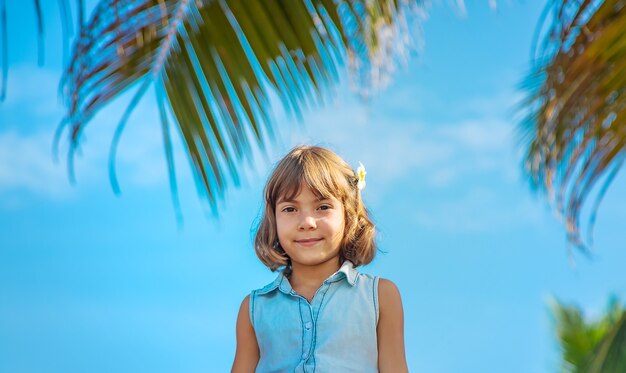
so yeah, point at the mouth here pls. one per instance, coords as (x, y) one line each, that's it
(308, 241)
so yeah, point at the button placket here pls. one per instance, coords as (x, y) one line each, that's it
(307, 329)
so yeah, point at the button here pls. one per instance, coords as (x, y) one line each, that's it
(304, 356)
(308, 325)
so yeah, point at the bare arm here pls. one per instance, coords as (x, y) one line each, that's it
(247, 354)
(390, 331)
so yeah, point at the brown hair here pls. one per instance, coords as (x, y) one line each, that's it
(326, 174)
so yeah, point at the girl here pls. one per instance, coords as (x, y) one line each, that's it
(320, 314)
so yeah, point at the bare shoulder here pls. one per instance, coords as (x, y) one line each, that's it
(243, 318)
(247, 353)
(245, 304)
(390, 329)
(388, 293)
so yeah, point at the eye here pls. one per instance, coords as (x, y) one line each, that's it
(325, 207)
(288, 209)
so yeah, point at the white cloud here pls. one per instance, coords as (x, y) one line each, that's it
(30, 116)
(469, 164)
(26, 163)
(392, 149)
(33, 92)
(480, 136)
(479, 210)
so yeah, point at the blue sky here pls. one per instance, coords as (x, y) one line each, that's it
(90, 281)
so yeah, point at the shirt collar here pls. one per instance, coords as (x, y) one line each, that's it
(346, 271)
(281, 282)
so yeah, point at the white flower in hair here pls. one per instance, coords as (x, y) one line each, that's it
(361, 176)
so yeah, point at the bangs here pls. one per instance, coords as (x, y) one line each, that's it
(314, 172)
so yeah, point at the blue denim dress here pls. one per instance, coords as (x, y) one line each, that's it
(336, 332)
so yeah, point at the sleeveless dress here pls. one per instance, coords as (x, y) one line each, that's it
(336, 332)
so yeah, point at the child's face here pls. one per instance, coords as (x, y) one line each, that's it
(310, 230)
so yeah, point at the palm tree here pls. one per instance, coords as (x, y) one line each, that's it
(591, 346)
(576, 127)
(213, 64)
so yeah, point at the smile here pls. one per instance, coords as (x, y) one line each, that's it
(308, 241)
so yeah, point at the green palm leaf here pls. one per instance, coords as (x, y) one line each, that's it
(610, 355)
(591, 346)
(576, 127)
(214, 64)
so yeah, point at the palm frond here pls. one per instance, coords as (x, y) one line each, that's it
(66, 22)
(576, 124)
(216, 62)
(610, 355)
(596, 346)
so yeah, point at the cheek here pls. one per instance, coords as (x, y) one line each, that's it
(279, 227)
(282, 226)
(340, 226)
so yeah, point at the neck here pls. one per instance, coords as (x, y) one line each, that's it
(312, 276)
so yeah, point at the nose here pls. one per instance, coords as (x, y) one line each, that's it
(307, 223)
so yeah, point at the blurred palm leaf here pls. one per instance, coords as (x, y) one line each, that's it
(214, 64)
(610, 355)
(66, 25)
(576, 128)
(591, 347)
